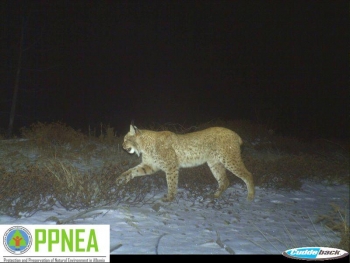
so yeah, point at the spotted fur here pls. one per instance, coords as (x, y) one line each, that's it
(164, 150)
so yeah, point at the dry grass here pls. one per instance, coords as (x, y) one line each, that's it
(337, 220)
(24, 192)
(53, 134)
(288, 170)
(57, 164)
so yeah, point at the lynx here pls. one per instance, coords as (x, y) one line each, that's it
(167, 151)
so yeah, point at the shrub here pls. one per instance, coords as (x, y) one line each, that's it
(53, 134)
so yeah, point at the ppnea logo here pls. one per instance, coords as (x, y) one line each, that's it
(17, 240)
(315, 253)
(55, 243)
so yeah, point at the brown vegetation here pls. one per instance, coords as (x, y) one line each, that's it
(53, 164)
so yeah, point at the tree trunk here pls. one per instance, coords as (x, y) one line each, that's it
(16, 87)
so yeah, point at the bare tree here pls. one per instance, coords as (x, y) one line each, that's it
(16, 86)
(23, 64)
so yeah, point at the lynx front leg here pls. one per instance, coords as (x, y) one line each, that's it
(172, 179)
(139, 170)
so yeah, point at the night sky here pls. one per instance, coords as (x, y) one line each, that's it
(86, 62)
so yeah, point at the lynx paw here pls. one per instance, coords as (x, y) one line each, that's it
(123, 179)
(250, 197)
(217, 194)
(167, 199)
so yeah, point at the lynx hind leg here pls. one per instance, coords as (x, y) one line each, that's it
(219, 172)
(237, 167)
(172, 179)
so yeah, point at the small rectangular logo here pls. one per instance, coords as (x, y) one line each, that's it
(315, 253)
(55, 243)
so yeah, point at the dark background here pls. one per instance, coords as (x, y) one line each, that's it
(282, 63)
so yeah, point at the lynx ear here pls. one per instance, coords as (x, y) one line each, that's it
(133, 129)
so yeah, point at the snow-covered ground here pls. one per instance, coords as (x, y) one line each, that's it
(277, 220)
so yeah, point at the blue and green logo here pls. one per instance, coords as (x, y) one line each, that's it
(315, 253)
(17, 240)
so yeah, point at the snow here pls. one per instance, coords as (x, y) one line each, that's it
(275, 221)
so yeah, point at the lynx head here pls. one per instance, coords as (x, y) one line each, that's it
(130, 140)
